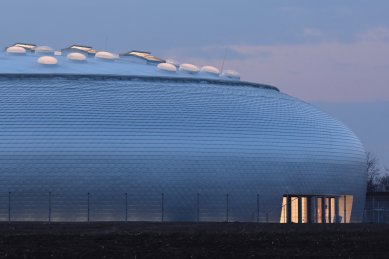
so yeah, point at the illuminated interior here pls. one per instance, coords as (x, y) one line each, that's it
(316, 208)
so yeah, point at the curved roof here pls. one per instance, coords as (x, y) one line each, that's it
(121, 66)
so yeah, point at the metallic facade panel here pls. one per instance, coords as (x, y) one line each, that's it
(177, 147)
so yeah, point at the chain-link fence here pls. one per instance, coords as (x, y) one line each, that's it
(200, 207)
(94, 206)
(376, 216)
(376, 208)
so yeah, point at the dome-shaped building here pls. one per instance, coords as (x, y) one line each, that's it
(112, 139)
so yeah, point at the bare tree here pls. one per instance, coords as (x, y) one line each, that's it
(384, 181)
(373, 172)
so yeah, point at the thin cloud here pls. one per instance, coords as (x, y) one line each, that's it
(326, 71)
(379, 34)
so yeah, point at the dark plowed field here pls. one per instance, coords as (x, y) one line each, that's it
(191, 240)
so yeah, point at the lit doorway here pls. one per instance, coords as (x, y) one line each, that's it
(316, 208)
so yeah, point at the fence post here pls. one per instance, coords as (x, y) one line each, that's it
(162, 206)
(227, 209)
(9, 206)
(88, 207)
(371, 216)
(198, 207)
(257, 208)
(49, 207)
(126, 218)
(344, 209)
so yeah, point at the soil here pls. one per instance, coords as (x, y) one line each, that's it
(191, 240)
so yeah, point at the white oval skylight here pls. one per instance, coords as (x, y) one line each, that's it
(210, 70)
(47, 60)
(166, 67)
(105, 55)
(16, 50)
(231, 74)
(75, 56)
(189, 68)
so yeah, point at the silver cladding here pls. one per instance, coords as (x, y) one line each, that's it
(160, 149)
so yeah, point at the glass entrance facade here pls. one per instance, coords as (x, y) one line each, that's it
(316, 208)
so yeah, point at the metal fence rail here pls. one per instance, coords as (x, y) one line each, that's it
(93, 206)
(376, 216)
(376, 208)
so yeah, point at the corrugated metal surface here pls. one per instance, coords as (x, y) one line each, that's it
(193, 141)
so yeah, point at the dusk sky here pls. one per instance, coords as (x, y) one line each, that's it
(325, 52)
